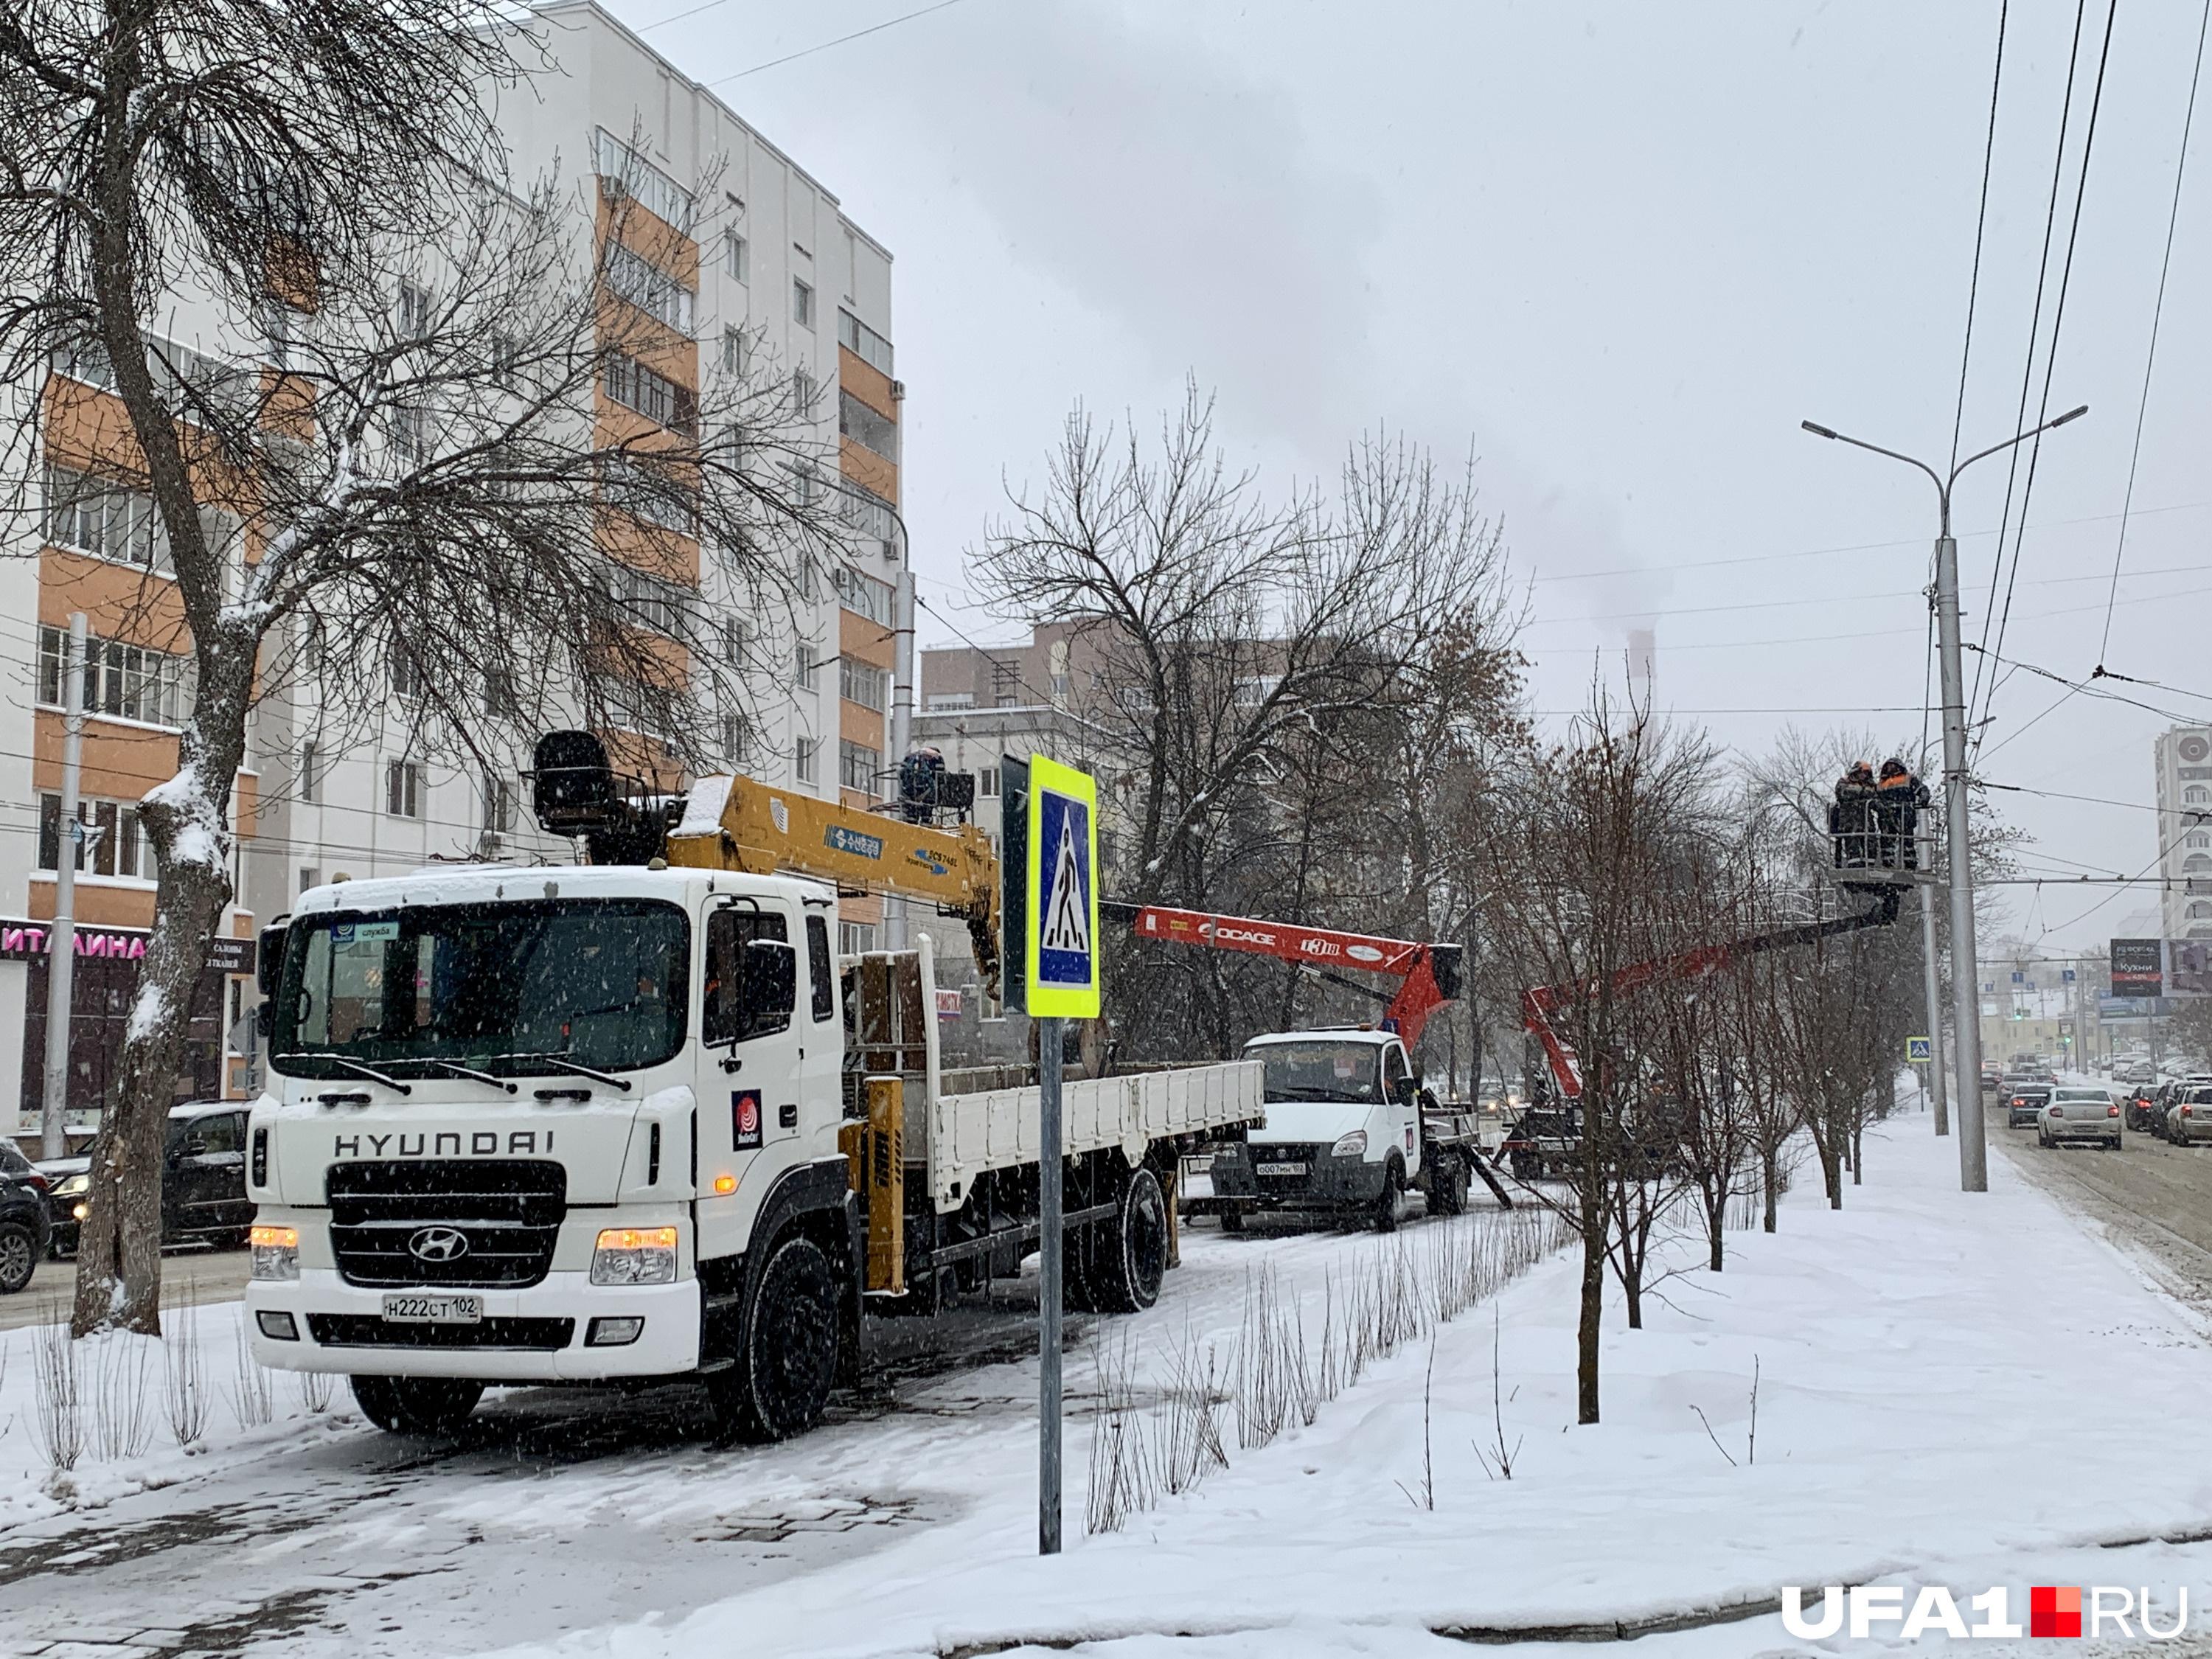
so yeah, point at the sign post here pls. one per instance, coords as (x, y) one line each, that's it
(1059, 981)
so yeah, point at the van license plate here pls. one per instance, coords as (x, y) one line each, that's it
(433, 1309)
(1282, 1169)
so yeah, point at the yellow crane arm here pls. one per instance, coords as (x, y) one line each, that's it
(739, 823)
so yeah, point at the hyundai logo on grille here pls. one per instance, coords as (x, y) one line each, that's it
(438, 1244)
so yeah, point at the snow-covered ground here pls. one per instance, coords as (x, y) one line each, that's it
(1959, 1390)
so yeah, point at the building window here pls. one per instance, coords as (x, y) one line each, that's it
(91, 515)
(737, 257)
(2196, 795)
(863, 595)
(414, 311)
(403, 789)
(309, 877)
(737, 642)
(2200, 839)
(802, 758)
(950, 700)
(737, 741)
(804, 668)
(112, 845)
(123, 682)
(406, 677)
(875, 433)
(411, 443)
(2197, 864)
(802, 302)
(311, 779)
(869, 514)
(864, 342)
(987, 782)
(498, 804)
(737, 352)
(805, 392)
(857, 766)
(2200, 912)
(656, 495)
(855, 939)
(631, 384)
(499, 699)
(653, 291)
(857, 682)
(623, 173)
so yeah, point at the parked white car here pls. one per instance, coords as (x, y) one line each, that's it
(2080, 1114)
(2189, 1114)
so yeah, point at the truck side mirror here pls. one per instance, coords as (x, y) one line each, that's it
(768, 988)
(264, 1021)
(268, 959)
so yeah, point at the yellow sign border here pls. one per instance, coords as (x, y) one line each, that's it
(1058, 1001)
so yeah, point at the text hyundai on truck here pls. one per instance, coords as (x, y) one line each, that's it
(636, 1121)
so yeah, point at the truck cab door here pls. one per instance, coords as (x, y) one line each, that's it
(1398, 1088)
(751, 1030)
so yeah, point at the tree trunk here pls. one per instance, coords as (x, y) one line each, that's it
(1770, 1173)
(1714, 1190)
(118, 1264)
(1858, 1149)
(1592, 1313)
(186, 819)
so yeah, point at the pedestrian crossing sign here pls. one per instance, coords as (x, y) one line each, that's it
(1062, 922)
(1917, 1050)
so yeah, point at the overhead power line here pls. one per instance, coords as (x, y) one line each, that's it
(857, 34)
(1981, 223)
(2157, 311)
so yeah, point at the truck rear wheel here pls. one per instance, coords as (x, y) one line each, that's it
(1385, 1216)
(1127, 1256)
(782, 1379)
(416, 1404)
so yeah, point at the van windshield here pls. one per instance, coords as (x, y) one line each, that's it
(596, 982)
(1320, 1070)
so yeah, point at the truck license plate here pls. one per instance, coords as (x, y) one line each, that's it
(433, 1309)
(1282, 1169)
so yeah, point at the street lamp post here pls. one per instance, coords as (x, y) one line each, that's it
(1965, 985)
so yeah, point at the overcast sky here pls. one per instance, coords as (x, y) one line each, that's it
(1619, 251)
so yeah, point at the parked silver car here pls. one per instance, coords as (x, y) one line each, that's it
(2078, 1114)
(2189, 1114)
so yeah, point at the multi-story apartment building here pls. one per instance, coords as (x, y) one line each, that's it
(734, 258)
(2182, 758)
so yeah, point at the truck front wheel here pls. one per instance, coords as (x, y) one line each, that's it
(782, 1380)
(1128, 1255)
(416, 1404)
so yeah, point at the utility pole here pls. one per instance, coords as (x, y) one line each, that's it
(1931, 985)
(1051, 1256)
(1965, 971)
(61, 938)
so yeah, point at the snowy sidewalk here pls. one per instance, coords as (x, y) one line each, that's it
(1965, 1390)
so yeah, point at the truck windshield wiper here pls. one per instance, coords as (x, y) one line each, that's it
(452, 1069)
(560, 1063)
(356, 1068)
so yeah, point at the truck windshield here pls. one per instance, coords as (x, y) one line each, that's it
(599, 982)
(1319, 1071)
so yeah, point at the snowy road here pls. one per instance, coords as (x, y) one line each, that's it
(313, 1536)
(2154, 1197)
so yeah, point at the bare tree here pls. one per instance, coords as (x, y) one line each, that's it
(1238, 661)
(437, 457)
(1580, 863)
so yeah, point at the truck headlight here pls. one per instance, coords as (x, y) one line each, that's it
(634, 1256)
(275, 1253)
(1351, 1146)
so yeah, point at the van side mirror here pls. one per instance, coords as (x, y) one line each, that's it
(264, 1021)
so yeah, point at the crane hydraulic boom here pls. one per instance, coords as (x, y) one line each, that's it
(1539, 1002)
(1430, 972)
(739, 824)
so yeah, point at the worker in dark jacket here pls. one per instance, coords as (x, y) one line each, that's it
(1851, 819)
(1898, 797)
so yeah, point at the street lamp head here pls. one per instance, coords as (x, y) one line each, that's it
(1816, 430)
(2070, 415)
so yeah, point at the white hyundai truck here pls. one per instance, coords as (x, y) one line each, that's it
(617, 1122)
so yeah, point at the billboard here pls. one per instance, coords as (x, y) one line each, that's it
(2138, 967)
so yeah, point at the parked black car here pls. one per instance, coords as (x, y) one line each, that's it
(2143, 1107)
(26, 1221)
(203, 1181)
